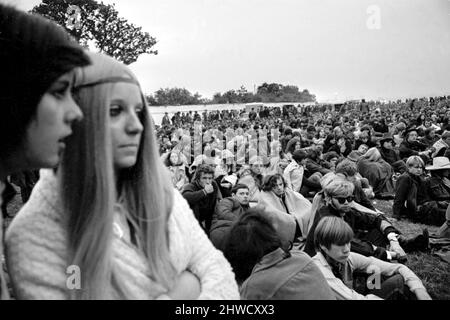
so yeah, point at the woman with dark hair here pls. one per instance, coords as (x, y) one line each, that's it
(267, 271)
(177, 167)
(294, 144)
(37, 59)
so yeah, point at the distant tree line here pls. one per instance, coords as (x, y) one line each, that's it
(266, 92)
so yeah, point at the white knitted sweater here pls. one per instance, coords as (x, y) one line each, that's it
(37, 251)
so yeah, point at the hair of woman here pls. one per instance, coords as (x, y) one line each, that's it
(34, 53)
(270, 182)
(87, 171)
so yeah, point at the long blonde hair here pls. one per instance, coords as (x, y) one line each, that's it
(89, 189)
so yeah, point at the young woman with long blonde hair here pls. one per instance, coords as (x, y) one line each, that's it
(111, 212)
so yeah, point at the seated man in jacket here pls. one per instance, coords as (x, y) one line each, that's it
(374, 234)
(202, 194)
(313, 164)
(228, 210)
(339, 266)
(267, 270)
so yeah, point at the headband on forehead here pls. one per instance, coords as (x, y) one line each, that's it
(107, 80)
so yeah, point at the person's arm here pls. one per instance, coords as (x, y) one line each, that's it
(192, 196)
(187, 287)
(202, 259)
(406, 152)
(340, 290)
(373, 265)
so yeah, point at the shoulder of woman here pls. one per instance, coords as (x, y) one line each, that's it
(36, 246)
(42, 215)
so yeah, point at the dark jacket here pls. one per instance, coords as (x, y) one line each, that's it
(337, 149)
(228, 210)
(312, 166)
(361, 224)
(389, 155)
(284, 275)
(406, 191)
(408, 149)
(436, 189)
(368, 143)
(361, 197)
(203, 205)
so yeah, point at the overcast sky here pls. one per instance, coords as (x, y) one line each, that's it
(336, 49)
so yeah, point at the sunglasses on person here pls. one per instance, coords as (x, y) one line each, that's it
(342, 200)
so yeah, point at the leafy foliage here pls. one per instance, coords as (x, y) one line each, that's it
(101, 24)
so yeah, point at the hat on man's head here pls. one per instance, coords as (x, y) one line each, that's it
(439, 163)
(409, 130)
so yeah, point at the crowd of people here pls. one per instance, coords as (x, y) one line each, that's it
(277, 206)
(296, 166)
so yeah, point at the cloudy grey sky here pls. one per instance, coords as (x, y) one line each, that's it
(336, 49)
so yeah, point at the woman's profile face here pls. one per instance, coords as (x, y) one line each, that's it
(126, 128)
(47, 131)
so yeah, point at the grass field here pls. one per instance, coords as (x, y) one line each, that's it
(434, 272)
